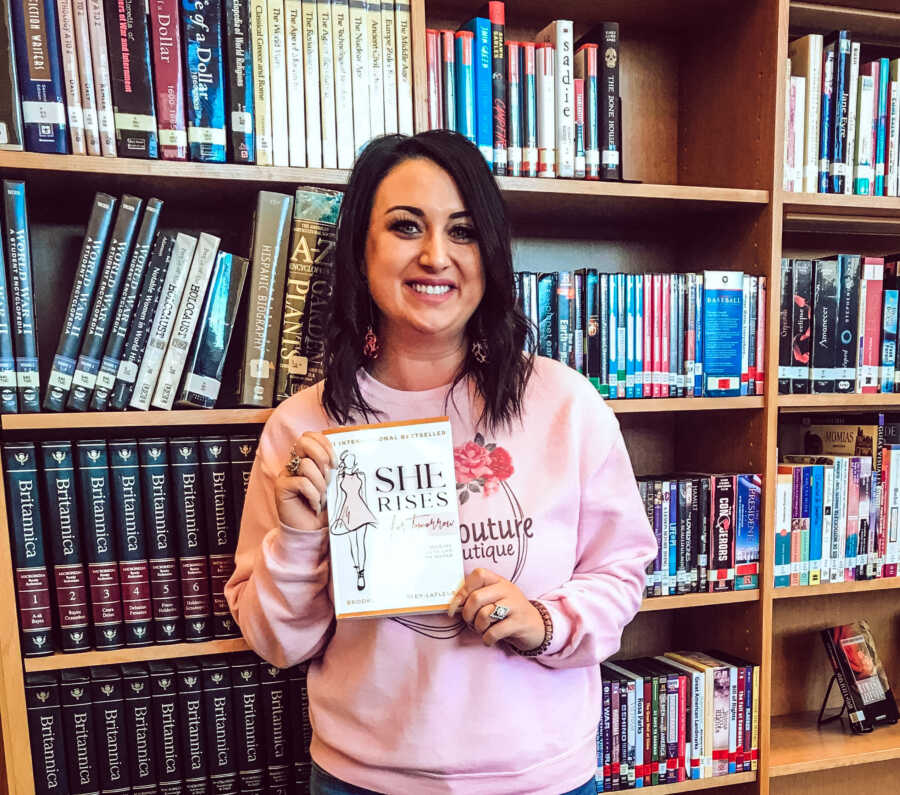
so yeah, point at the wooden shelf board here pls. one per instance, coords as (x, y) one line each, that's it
(867, 24)
(703, 783)
(836, 208)
(799, 746)
(800, 591)
(58, 661)
(697, 600)
(806, 403)
(652, 405)
(132, 419)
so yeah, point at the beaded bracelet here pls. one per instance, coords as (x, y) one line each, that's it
(548, 633)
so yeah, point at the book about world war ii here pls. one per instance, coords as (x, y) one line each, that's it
(392, 508)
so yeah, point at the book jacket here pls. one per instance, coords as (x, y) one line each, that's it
(392, 508)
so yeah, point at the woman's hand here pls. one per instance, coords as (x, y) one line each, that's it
(481, 592)
(300, 499)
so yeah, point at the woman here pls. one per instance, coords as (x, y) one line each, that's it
(353, 515)
(503, 695)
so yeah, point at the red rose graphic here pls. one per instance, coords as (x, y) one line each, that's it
(472, 461)
(491, 485)
(501, 463)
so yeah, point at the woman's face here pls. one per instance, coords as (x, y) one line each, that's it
(423, 262)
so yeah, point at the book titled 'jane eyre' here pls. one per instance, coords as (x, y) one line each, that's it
(393, 519)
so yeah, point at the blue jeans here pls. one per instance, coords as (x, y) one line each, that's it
(323, 783)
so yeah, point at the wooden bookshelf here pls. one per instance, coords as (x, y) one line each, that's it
(698, 600)
(703, 783)
(861, 586)
(132, 419)
(833, 403)
(654, 405)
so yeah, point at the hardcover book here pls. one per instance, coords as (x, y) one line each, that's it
(168, 74)
(86, 78)
(79, 731)
(559, 34)
(278, 83)
(45, 728)
(824, 342)
(239, 63)
(218, 725)
(296, 99)
(343, 82)
(109, 718)
(202, 28)
(9, 403)
(389, 71)
(139, 728)
(403, 30)
(310, 34)
(302, 730)
(860, 676)
(164, 706)
(722, 332)
(496, 13)
(248, 727)
(69, 57)
(102, 79)
(190, 725)
(392, 507)
(327, 75)
(484, 85)
(375, 69)
(846, 360)
(11, 134)
(277, 721)
(243, 451)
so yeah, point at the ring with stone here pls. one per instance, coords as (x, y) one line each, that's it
(293, 466)
(499, 613)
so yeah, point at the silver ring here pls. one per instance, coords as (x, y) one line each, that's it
(293, 466)
(499, 613)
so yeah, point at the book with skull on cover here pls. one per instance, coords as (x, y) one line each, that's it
(392, 508)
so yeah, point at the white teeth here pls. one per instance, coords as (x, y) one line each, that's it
(431, 289)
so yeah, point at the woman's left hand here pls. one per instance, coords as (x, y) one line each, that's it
(484, 590)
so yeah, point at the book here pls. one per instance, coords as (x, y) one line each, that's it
(132, 81)
(218, 724)
(11, 133)
(86, 77)
(496, 13)
(722, 332)
(610, 116)
(45, 728)
(840, 108)
(852, 100)
(746, 532)
(64, 540)
(206, 357)
(375, 47)
(559, 34)
(190, 727)
(245, 698)
(202, 31)
(79, 731)
(262, 93)
(293, 25)
(242, 453)
(529, 110)
(869, 328)
(448, 79)
(405, 485)
(484, 85)
(327, 76)
(164, 707)
(545, 88)
(277, 722)
(298, 700)
(69, 58)
(106, 294)
(889, 341)
(168, 79)
(17, 237)
(240, 84)
(403, 31)
(139, 728)
(864, 180)
(268, 266)
(102, 78)
(860, 676)
(310, 33)
(343, 82)
(806, 62)
(514, 103)
(433, 76)
(278, 84)
(9, 402)
(465, 84)
(826, 121)
(848, 311)
(585, 69)
(109, 717)
(823, 345)
(29, 561)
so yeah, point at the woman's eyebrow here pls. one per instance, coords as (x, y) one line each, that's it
(419, 213)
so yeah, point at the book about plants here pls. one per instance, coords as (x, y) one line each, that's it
(393, 519)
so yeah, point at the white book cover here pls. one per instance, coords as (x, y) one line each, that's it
(851, 118)
(806, 61)
(296, 96)
(389, 62)
(376, 68)
(403, 54)
(788, 154)
(825, 567)
(69, 52)
(893, 506)
(278, 84)
(163, 320)
(360, 64)
(262, 94)
(839, 520)
(893, 165)
(545, 88)
(393, 519)
(311, 84)
(865, 171)
(186, 321)
(343, 81)
(102, 86)
(326, 84)
(86, 77)
(559, 34)
(799, 89)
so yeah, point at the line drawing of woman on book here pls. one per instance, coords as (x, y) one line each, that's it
(353, 515)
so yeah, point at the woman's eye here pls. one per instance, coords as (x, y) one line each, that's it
(405, 227)
(462, 233)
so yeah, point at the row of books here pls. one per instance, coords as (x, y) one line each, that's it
(680, 716)
(281, 83)
(707, 532)
(126, 542)
(547, 108)
(225, 723)
(652, 335)
(837, 499)
(842, 118)
(838, 325)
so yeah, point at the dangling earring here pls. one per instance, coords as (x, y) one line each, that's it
(480, 350)
(370, 344)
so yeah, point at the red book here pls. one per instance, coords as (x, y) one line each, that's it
(435, 100)
(870, 339)
(657, 335)
(682, 725)
(664, 339)
(647, 388)
(496, 13)
(761, 335)
(168, 76)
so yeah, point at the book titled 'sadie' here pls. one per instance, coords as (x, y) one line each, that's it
(393, 519)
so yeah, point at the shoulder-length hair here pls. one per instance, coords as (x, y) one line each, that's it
(502, 379)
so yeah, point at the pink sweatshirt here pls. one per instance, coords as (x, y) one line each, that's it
(420, 705)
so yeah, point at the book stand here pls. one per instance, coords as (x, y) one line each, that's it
(820, 721)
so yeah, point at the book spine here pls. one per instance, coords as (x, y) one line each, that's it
(277, 723)
(206, 357)
(311, 82)
(801, 333)
(497, 17)
(163, 321)
(168, 75)
(242, 454)
(86, 77)
(448, 80)
(79, 732)
(592, 326)
(465, 84)
(761, 323)
(45, 730)
(327, 77)
(893, 138)
(529, 111)
(721, 565)
(403, 31)
(852, 100)
(586, 69)
(21, 295)
(104, 301)
(165, 591)
(185, 321)
(102, 79)
(262, 91)
(202, 30)
(433, 77)
(579, 321)
(64, 534)
(881, 96)
(164, 708)
(870, 324)
(841, 97)
(190, 727)
(852, 704)
(12, 136)
(293, 31)
(218, 725)
(548, 341)
(278, 83)
(139, 729)
(629, 335)
(31, 576)
(110, 720)
(484, 86)
(132, 84)
(514, 103)
(245, 693)
(889, 341)
(848, 310)
(865, 169)
(301, 735)
(824, 322)
(748, 343)
(560, 34)
(610, 116)
(69, 58)
(239, 56)
(9, 403)
(134, 275)
(40, 76)
(826, 128)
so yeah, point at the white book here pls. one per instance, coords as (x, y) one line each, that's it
(296, 96)
(559, 34)
(851, 118)
(163, 320)
(343, 81)
(262, 94)
(408, 524)
(311, 84)
(86, 77)
(893, 506)
(403, 54)
(892, 139)
(798, 86)
(376, 68)
(278, 84)
(326, 84)
(865, 171)
(186, 321)
(102, 86)
(545, 88)
(360, 64)
(389, 62)
(69, 53)
(788, 154)
(806, 61)
(839, 518)
(783, 498)
(826, 567)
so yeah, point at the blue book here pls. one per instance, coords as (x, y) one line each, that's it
(698, 337)
(889, 341)
(841, 102)
(484, 86)
(805, 522)
(622, 335)
(629, 335)
(613, 336)
(826, 130)
(722, 332)
(673, 537)
(881, 121)
(8, 400)
(465, 84)
(639, 335)
(202, 27)
(817, 496)
(40, 76)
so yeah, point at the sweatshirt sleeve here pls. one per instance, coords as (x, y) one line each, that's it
(278, 593)
(615, 543)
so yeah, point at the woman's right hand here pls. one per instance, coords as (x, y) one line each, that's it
(300, 499)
